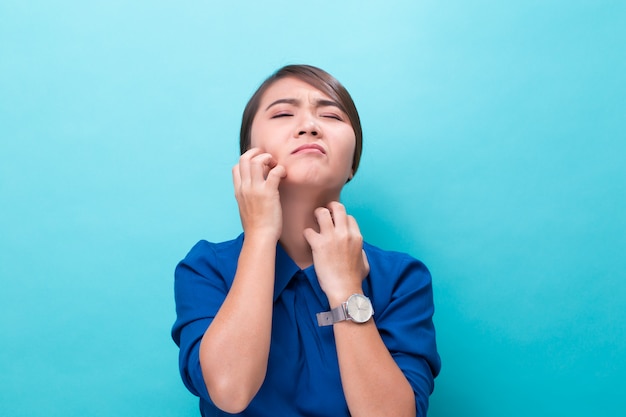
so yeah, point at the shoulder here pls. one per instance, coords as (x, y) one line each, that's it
(206, 255)
(205, 248)
(392, 262)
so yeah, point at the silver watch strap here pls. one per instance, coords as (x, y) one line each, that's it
(328, 318)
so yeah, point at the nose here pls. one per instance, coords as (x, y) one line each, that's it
(308, 127)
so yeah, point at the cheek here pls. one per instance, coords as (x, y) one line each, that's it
(256, 136)
(259, 133)
(257, 141)
(253, 135)
(263, 139)
(350, 147)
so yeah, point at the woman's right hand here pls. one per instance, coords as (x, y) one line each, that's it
(256, 178)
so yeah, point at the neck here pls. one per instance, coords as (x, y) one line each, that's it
(298, 214)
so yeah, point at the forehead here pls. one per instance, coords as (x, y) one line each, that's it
(290, 87)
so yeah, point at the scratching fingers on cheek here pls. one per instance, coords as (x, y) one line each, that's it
(246, 160)
(263, 164)
(258, 167)
(275, 175)
(250, 153)
(244, 171)
(269, 166)
(245, 167)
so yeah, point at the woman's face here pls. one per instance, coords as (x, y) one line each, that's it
(306, 132)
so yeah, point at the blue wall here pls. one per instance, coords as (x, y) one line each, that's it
(494, 152)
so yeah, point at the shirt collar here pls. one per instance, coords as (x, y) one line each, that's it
(286, 270)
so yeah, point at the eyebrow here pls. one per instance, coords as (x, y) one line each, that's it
(296, 102)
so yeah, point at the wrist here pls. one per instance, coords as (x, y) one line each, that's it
(335, 299)
(357, 308)
(259, 245)
(261, 236)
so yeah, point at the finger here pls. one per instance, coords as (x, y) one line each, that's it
(260, 165)
(244, 163)
(270, 165)
(236, 177)
(310, 235)
(251, 153)
(353, 226)
(324, 219)
(338, 214)
(275, 175)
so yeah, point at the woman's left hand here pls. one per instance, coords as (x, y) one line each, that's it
(338, 256)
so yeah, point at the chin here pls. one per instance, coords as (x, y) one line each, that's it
(313, 176)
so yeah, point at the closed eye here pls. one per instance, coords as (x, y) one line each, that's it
(279, 115)
(332, 116)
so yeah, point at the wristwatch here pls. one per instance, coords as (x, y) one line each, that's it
(357, 308)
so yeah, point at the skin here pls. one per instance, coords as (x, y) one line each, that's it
(287, 187)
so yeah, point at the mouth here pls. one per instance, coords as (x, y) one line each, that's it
(309, 147)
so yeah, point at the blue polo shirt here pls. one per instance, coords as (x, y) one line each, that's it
(303, 372)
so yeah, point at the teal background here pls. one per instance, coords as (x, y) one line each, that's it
(494, 151)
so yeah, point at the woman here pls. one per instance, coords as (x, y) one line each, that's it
(298, 316)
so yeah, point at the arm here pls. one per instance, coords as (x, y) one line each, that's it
(235, 348)
(373, 383)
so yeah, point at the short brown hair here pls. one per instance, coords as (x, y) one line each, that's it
(317, 78)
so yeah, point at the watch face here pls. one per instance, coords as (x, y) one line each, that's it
(359, 308)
